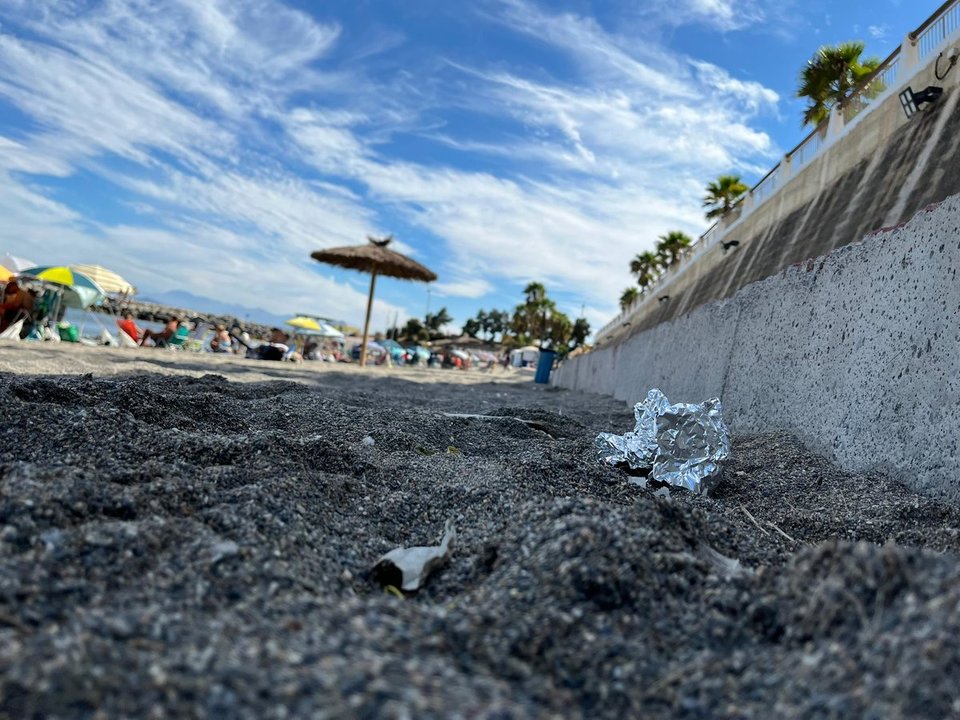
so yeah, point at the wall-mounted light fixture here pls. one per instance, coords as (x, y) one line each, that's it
(911, 101)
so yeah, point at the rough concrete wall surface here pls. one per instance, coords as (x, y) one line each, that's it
(881, 173)
(857, 353)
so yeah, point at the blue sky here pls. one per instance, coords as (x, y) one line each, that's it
(212, 145)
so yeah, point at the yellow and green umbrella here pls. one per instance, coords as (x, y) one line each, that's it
(304, 323)
(312, 326)
(79, 290)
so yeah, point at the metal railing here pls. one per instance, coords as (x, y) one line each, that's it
(928, 38)
(807, 149)
(766, 187)
(941, 25)
(873, 88)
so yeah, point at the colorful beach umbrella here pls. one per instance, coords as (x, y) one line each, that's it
(314, 328)
(5, 274)
(79, 290)
(304, 323)
(110, 281)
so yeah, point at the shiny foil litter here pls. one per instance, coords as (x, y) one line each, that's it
(683, 444)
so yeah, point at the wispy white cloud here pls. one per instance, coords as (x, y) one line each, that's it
(174, 90)
(464, 287)
(754, 96)
(87, 108)
(232, 55)
(722, 15)
(205, 258)
(725, 14)
(641, 136)
(601, 52)
(178, 108)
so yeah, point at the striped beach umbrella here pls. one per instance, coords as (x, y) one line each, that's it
(79, 290)
(110, 281)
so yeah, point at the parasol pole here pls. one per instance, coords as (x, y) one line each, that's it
(366, 323)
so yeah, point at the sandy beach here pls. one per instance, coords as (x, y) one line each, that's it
(192, 536)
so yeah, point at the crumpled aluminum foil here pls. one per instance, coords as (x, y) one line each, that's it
(408, 568)
(683, 444)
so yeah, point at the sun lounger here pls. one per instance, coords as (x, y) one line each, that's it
(179, 338)
(12, 332)
(197, 340)
(126, 340)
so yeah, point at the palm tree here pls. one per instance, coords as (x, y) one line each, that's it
(646, 266)
(581, 329)
(472, 327)
(722, 195)
(433, 323)
(535, 293)
(534, 314)
(628, 298)
(497, 321)
(413, 329)
(559, 330)
(830, 77)
(672, 246)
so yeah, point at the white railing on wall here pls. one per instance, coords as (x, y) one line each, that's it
(883, 79)
(766, 187)
(918, 46)
(807, 149)
(941, 25)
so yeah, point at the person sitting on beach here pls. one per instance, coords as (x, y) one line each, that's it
(17, 302)
(161, 338)
(129, 326)
(275, 348)
(221, 342)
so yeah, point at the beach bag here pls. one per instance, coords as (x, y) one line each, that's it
(68, 333)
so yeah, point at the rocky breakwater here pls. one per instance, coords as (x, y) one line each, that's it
(155, 312)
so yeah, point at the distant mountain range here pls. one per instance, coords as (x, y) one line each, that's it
(189, 301)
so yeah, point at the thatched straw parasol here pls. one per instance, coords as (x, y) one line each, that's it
(376, 259)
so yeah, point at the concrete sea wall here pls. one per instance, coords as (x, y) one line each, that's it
(856, 352)
(881, 170)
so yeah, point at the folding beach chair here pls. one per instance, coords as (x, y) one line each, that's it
(13, 331)
(125, 340)
(179, 338)
(197, 340)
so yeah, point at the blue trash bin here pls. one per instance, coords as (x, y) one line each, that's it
(544, 366)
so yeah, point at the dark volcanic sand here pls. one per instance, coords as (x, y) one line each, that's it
(179, 547)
